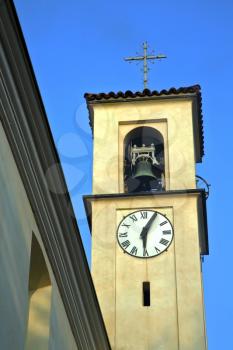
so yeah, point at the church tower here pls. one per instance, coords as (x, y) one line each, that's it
(148, 219)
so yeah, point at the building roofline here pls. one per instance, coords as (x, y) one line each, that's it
(95, 97)
(193, 92)
(28, 132)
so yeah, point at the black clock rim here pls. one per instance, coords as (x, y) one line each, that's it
(145, 257)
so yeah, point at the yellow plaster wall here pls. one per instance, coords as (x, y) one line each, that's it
(16, 226)
(112, 121)
(175, 319)
(39, 319)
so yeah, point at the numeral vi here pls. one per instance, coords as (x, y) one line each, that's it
(145, 253)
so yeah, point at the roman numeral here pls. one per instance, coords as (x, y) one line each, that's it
(133, 217)
(163, 223)
(143, 214)
(134, 251)
(157, 250)
(145, 253)
(164, 241)
(123, 234)
(125, 225)
(125, 244)
(167, 232)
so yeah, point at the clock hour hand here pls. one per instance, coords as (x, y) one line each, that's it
(144, 241)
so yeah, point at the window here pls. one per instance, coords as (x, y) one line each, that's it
(146, 293)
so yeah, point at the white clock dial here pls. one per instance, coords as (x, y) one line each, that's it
(145, 233)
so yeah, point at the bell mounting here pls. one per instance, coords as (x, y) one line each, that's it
(144, 160)
(206, 184)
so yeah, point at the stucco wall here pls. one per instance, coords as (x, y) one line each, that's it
(112, 122)
(175, 319)
(16, 226)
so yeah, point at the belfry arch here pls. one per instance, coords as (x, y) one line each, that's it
(39, 292)
(144, 160)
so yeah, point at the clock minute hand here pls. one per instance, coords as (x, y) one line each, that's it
(148, 225)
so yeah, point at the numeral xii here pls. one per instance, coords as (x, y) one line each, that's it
(143, 214)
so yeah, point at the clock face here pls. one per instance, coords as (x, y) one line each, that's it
(145, 233)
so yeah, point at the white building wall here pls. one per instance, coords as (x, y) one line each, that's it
(16, 226)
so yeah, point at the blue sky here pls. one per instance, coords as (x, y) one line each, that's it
(78, 46)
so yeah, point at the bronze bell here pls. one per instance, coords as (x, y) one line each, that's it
(143, 169)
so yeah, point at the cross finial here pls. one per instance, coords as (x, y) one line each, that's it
(144, 58)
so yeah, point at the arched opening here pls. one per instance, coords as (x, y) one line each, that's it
(40, 291)
(144, 160)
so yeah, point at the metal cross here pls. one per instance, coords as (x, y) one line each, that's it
(144, 58)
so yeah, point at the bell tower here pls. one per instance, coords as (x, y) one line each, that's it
(147, 218)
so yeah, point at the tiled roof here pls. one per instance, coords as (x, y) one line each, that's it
(146, 93)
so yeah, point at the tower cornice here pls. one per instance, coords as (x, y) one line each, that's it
(190, 92)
